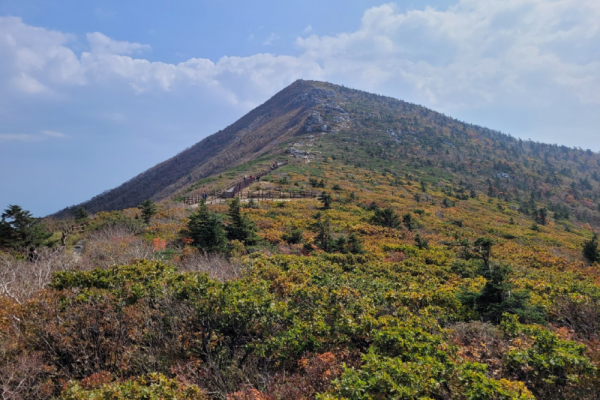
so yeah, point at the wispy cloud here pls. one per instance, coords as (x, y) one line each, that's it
(308, 29)
(30, 137)
(53, 134)
(102, 44)
(271, 39)
(8, 137)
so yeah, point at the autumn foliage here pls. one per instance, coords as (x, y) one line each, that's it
(399, 283)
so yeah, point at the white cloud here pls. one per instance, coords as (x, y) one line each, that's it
(474, 52)
(102, 44)
(536, 55)
(27, 84)
(53, 134)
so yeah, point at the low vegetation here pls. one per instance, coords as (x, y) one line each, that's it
(410, 276)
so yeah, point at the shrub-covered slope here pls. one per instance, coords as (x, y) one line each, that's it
(367, 130)
(439, 261)
(387, 286)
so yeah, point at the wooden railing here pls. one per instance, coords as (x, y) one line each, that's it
(278, 194)
(234, 189)
(77, 228)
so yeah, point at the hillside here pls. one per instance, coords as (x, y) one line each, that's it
(252, 135)
(387, 251)
(376, 132)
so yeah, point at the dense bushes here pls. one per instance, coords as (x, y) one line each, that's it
(131, 321)
(291, 300)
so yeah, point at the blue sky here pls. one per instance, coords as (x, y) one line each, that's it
(93, 93)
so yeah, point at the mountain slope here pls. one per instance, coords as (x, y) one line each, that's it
(248, 137)
(377, 132)
(441, 260)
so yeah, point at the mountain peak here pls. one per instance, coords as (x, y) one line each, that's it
(365, 130)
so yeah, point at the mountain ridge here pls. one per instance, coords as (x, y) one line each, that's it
(372, 125)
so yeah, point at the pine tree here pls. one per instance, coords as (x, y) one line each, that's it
(322, 226)
(340, 244)
(354, 244)
(240, 226)
(148, 208)
(386, 217)
(421, 242)
(326, 199)
(293, 235)
(590, 249)
(207, 230)
(409, 222)
(81, 214)
(19, 230)
(498, 297)
(541, 216)
(483, 249)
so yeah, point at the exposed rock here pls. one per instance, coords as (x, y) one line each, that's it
(314, 122)
(448, 143)
(315, 96)
(395, 136)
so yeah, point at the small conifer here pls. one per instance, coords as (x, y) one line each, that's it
(148, 209)
(590, 249)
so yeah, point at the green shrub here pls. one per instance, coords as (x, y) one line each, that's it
(151, 387)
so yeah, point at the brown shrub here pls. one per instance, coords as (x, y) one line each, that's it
(20, 279)
(25, 377)
(84, 337)
(217, 266)
(315, 374)
(114, 245)
(481, 342)
(582, 316)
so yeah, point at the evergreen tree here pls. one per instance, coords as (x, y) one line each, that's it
(322, 226)
(354, 244)
(541, 216)
(483, 249)
(240, 226)
(498, 297)
(409, 222)
(19, 230)
(207, 230)
(386, 217)
(590, 249)
(81, 214)
(421, 242)
(293, 235)
(340, 244)
(148, 208)
(326, 199)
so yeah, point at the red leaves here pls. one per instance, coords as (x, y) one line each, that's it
(159, 244)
